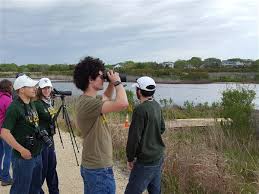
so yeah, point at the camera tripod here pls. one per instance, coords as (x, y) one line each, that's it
(63, 108)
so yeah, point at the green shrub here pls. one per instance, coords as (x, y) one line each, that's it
(237, 104)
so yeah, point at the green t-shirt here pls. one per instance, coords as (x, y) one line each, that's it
(45, 112)
(21, 126)
(97, 141)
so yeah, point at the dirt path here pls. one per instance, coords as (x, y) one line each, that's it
(70, 180)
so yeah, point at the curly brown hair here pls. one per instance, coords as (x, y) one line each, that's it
(87, 68)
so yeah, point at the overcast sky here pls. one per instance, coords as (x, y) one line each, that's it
(64, 31)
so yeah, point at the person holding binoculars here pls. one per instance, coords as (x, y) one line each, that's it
(46, 113)
(97, 162)
(21, 131)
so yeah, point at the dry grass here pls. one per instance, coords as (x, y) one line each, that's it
(197, 160)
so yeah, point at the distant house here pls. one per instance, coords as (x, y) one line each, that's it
(190, 66)
(118, 65)
(232, 63)
(167, 64)
(248, 62)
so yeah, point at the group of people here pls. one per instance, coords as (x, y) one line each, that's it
(144, 146)
(34, 158)
(23, 120)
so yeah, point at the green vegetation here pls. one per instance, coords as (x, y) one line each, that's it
(237, 105)
(194, 69)
(205, 159)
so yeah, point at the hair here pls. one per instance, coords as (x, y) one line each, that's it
(87, 68)
(39, 94)
(146, 93)
(6, 86)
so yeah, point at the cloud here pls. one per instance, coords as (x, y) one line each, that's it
(132, 29)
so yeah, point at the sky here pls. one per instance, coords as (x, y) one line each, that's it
(65, 31)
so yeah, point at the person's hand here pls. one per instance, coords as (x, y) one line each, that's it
(113, 76)
(130, 165)
(26, 154)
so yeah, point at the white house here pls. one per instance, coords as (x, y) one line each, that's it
(167, 64)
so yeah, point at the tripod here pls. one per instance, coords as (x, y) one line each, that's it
(68, 124)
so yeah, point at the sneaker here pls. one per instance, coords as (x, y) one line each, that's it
(6, 183)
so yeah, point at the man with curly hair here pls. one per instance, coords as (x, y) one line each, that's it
(97, 162)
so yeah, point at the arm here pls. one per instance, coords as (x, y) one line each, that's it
(107, 95)
(121, 100)
(162, 123)
(8, 137)
(7, 100)
(134, 136)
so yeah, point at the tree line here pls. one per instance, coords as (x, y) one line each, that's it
(192, 69)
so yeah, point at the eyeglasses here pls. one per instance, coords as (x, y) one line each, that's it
(101, 76)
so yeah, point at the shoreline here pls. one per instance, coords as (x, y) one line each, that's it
(130, 78)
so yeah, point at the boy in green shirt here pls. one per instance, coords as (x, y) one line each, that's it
(19, 130)
(145, 146)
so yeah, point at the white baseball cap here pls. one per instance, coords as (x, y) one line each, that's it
(24, 81)
(145, 83)
(45, 82)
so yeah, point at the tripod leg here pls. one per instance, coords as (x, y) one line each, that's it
(59, 134)
(73, 141)
(71, 129)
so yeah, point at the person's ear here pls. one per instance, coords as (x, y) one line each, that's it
(21, 91)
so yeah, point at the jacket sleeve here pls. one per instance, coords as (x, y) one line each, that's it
(162, 123)
(134, 135)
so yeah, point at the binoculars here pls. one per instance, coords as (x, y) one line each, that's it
(123, 77)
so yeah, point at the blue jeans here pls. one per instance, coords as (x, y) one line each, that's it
(49, 172)
(98, 181)
(145, 177)
(26, 175)
(5, 156)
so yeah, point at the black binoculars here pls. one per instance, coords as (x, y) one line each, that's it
(122, 76)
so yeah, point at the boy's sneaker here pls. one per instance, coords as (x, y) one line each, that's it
(6, 183)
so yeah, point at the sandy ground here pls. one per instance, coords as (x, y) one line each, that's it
(70, 180)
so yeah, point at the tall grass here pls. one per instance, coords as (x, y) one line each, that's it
(197, 160)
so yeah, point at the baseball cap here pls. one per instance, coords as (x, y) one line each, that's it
(145, 83)
(45, 82)
(24, 81)
(19, 74)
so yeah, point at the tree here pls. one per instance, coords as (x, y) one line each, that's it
(8, 67)
(180, 64)
(196, 62)
(212, 62)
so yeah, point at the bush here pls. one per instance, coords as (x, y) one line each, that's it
(237, 104)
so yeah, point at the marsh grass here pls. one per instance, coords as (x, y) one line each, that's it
(197, 160)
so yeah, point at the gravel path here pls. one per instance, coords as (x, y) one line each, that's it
(70, 180)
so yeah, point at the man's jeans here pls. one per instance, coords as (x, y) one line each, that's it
(26, 175)
(5, 156)
(98, 181)
(145, 177)
(49, 172)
